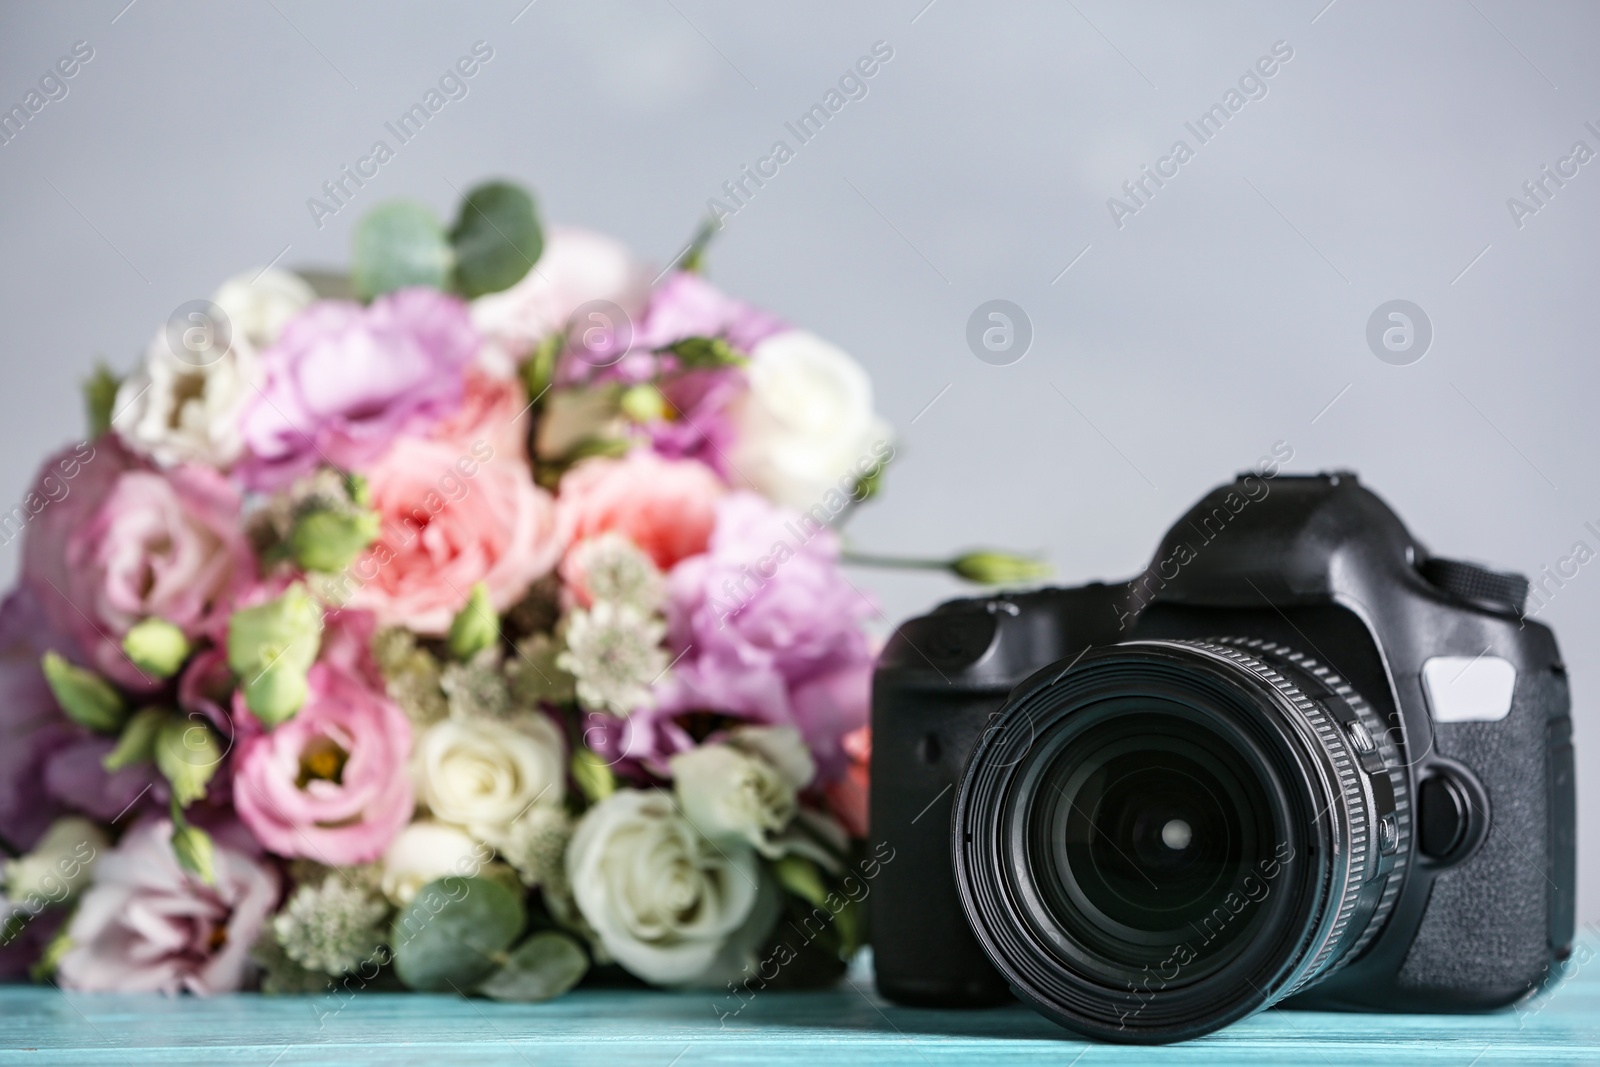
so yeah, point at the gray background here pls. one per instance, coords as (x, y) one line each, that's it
(1227, 315)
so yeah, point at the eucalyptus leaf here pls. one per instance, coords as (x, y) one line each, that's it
(454, 933)
(497, 238)
(544, 966)
(399, 244)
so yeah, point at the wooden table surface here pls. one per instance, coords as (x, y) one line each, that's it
(840, 1027)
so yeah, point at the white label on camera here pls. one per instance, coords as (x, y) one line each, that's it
(1465, 689)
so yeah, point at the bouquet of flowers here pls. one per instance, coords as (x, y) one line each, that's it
(456, 624)
(465, 622)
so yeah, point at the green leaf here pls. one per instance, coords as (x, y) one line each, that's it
(706, 352)
(88, 699)
(399, 244)
(455, 932)
(138, 741)
(802, 878)
(100, 396)
(540, 368)
(694, 258)
(544, 966)
(593, 775)
(497, 238)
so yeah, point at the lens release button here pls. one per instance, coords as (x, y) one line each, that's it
(1388, 834)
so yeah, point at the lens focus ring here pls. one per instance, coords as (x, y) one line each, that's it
(1384, 762)
(1354, 820)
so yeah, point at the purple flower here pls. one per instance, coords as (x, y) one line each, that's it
(686, 305)
(770, 631)
(31, 725)
(344, 381)
(48, 765)
(768, 594)
(701, 425)
(147, 925)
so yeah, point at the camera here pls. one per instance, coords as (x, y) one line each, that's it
(1297, 761)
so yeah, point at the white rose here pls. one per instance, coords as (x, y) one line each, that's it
(806, 424)
(575, 267)
(746, 790)
(480, 774)
(260, 303)
(59, 865)
(423, 852)
(186, 410)
(663, 901)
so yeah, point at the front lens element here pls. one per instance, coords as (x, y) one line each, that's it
(1146, 821)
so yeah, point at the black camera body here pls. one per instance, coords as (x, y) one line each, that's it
(1297, 760)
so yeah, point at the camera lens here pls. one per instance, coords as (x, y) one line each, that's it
(1148, 820)
(1169, 835)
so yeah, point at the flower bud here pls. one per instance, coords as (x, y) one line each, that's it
(138, 741)
(187, 754)
(88, 699)
(270, 647)
(156, 647)
(195, 852)
(999, 568)
(330, 541)
(475, 627)
(644, 403)
(59, 865)
(275, 693)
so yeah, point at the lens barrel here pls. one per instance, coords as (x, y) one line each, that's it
(1165, 836)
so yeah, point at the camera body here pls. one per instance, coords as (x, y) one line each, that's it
(1468, 901)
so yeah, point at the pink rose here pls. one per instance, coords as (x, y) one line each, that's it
(493, 410)
(451, 519)
(148, 926)
(330, 784)
(576, 267)
(128, 543)
(665, 506)
(344, 381)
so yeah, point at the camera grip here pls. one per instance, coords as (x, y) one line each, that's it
(1495, 923)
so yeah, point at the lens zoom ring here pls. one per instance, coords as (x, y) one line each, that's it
(1395, 770)
(1352, 787)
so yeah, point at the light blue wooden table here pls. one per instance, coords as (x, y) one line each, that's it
(841, 1027)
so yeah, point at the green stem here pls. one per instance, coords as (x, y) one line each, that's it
(868, 559)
